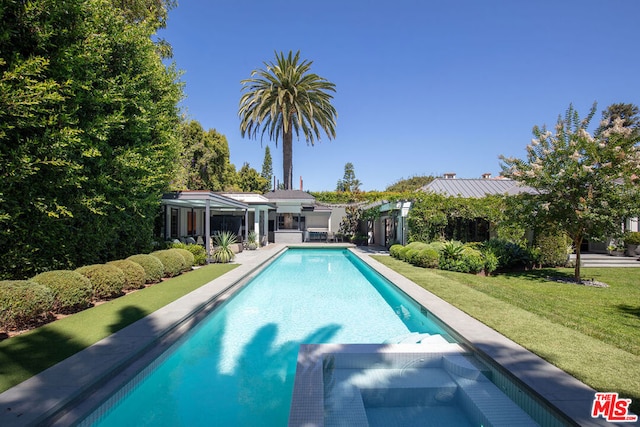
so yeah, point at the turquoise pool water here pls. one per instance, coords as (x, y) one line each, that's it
(237, 367)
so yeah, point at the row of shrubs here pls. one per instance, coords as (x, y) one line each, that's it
(488, 257)
(25, 302)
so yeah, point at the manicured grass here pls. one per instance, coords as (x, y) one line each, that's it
(591, 333)
(25, 355)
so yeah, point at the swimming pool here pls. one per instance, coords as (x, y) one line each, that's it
(238, 365)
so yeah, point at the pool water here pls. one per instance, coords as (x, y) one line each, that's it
(238, 366)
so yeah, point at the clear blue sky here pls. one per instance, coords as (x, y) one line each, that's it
(424, 87)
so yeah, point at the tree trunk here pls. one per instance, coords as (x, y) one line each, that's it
(287, 158)
(577, 241)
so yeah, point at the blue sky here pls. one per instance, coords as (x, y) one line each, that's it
(424, 87)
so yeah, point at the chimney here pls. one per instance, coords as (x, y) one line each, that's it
(486, 175)
(301, 183)
(450, 175)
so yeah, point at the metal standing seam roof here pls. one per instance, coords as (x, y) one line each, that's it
(474, 188)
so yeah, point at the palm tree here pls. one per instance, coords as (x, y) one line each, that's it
(285, 98)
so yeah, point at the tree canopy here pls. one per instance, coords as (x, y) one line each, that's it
(88, 141)
(286, 98)
(349, 183)
(586, 184)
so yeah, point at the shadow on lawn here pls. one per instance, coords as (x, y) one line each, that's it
(34, 352)
(541, 274)
(630, 310)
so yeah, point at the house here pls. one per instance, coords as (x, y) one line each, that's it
(297, 217)
(193, 215)
(281, 216)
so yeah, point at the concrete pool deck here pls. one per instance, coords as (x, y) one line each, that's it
(80, 382)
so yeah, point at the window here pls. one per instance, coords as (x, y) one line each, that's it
(174, 223)
(191, 223)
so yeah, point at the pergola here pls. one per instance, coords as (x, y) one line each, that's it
(210, 202)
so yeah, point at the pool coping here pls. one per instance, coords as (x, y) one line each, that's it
(570, 396)
(64, 393)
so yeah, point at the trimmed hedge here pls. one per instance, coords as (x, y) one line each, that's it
(134, 274)
(199, 252)
(396, 250)
(172, 261)
(553, 248)
(107, 280)
(153, 268)
(427, 258)
(22, 302)
(188, 257)
(71, 290)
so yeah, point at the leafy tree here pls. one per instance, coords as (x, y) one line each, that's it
(627, 112)
(285, 98)
(410, 184)
(349, 183)
(204, 162)
(267, 165)
(250, 180)
(586, 184)
(88, 114)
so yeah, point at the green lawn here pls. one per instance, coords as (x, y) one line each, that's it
(591, 333)
(25, 355)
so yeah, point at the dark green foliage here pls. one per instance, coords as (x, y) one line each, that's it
(437, 217)
(22, 302)
(349, 183)
(251, 181)
(410, 184)
(199, 252)
(153, 268)
(396, 250)
(267, 166)
(107, 280)
(510, 255)
(553, 248)
(632, 238)
(204, 161)
(474, 259)
(427, 258)
(172, 262)
(88, 133)
(188, 257)
(71, 290)
(134, 274)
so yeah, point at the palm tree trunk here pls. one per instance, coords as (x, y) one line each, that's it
(287, 158)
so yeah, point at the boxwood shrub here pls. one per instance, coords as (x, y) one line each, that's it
(396, 250)
(153, 268)
(107, 280)
(427, 257)
(172, 261)
(72, 291)
(134, 275)
(199, 252)
(188, 257)
(22, 302)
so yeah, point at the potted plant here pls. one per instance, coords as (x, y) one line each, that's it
(632, 242)
(616, 249)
